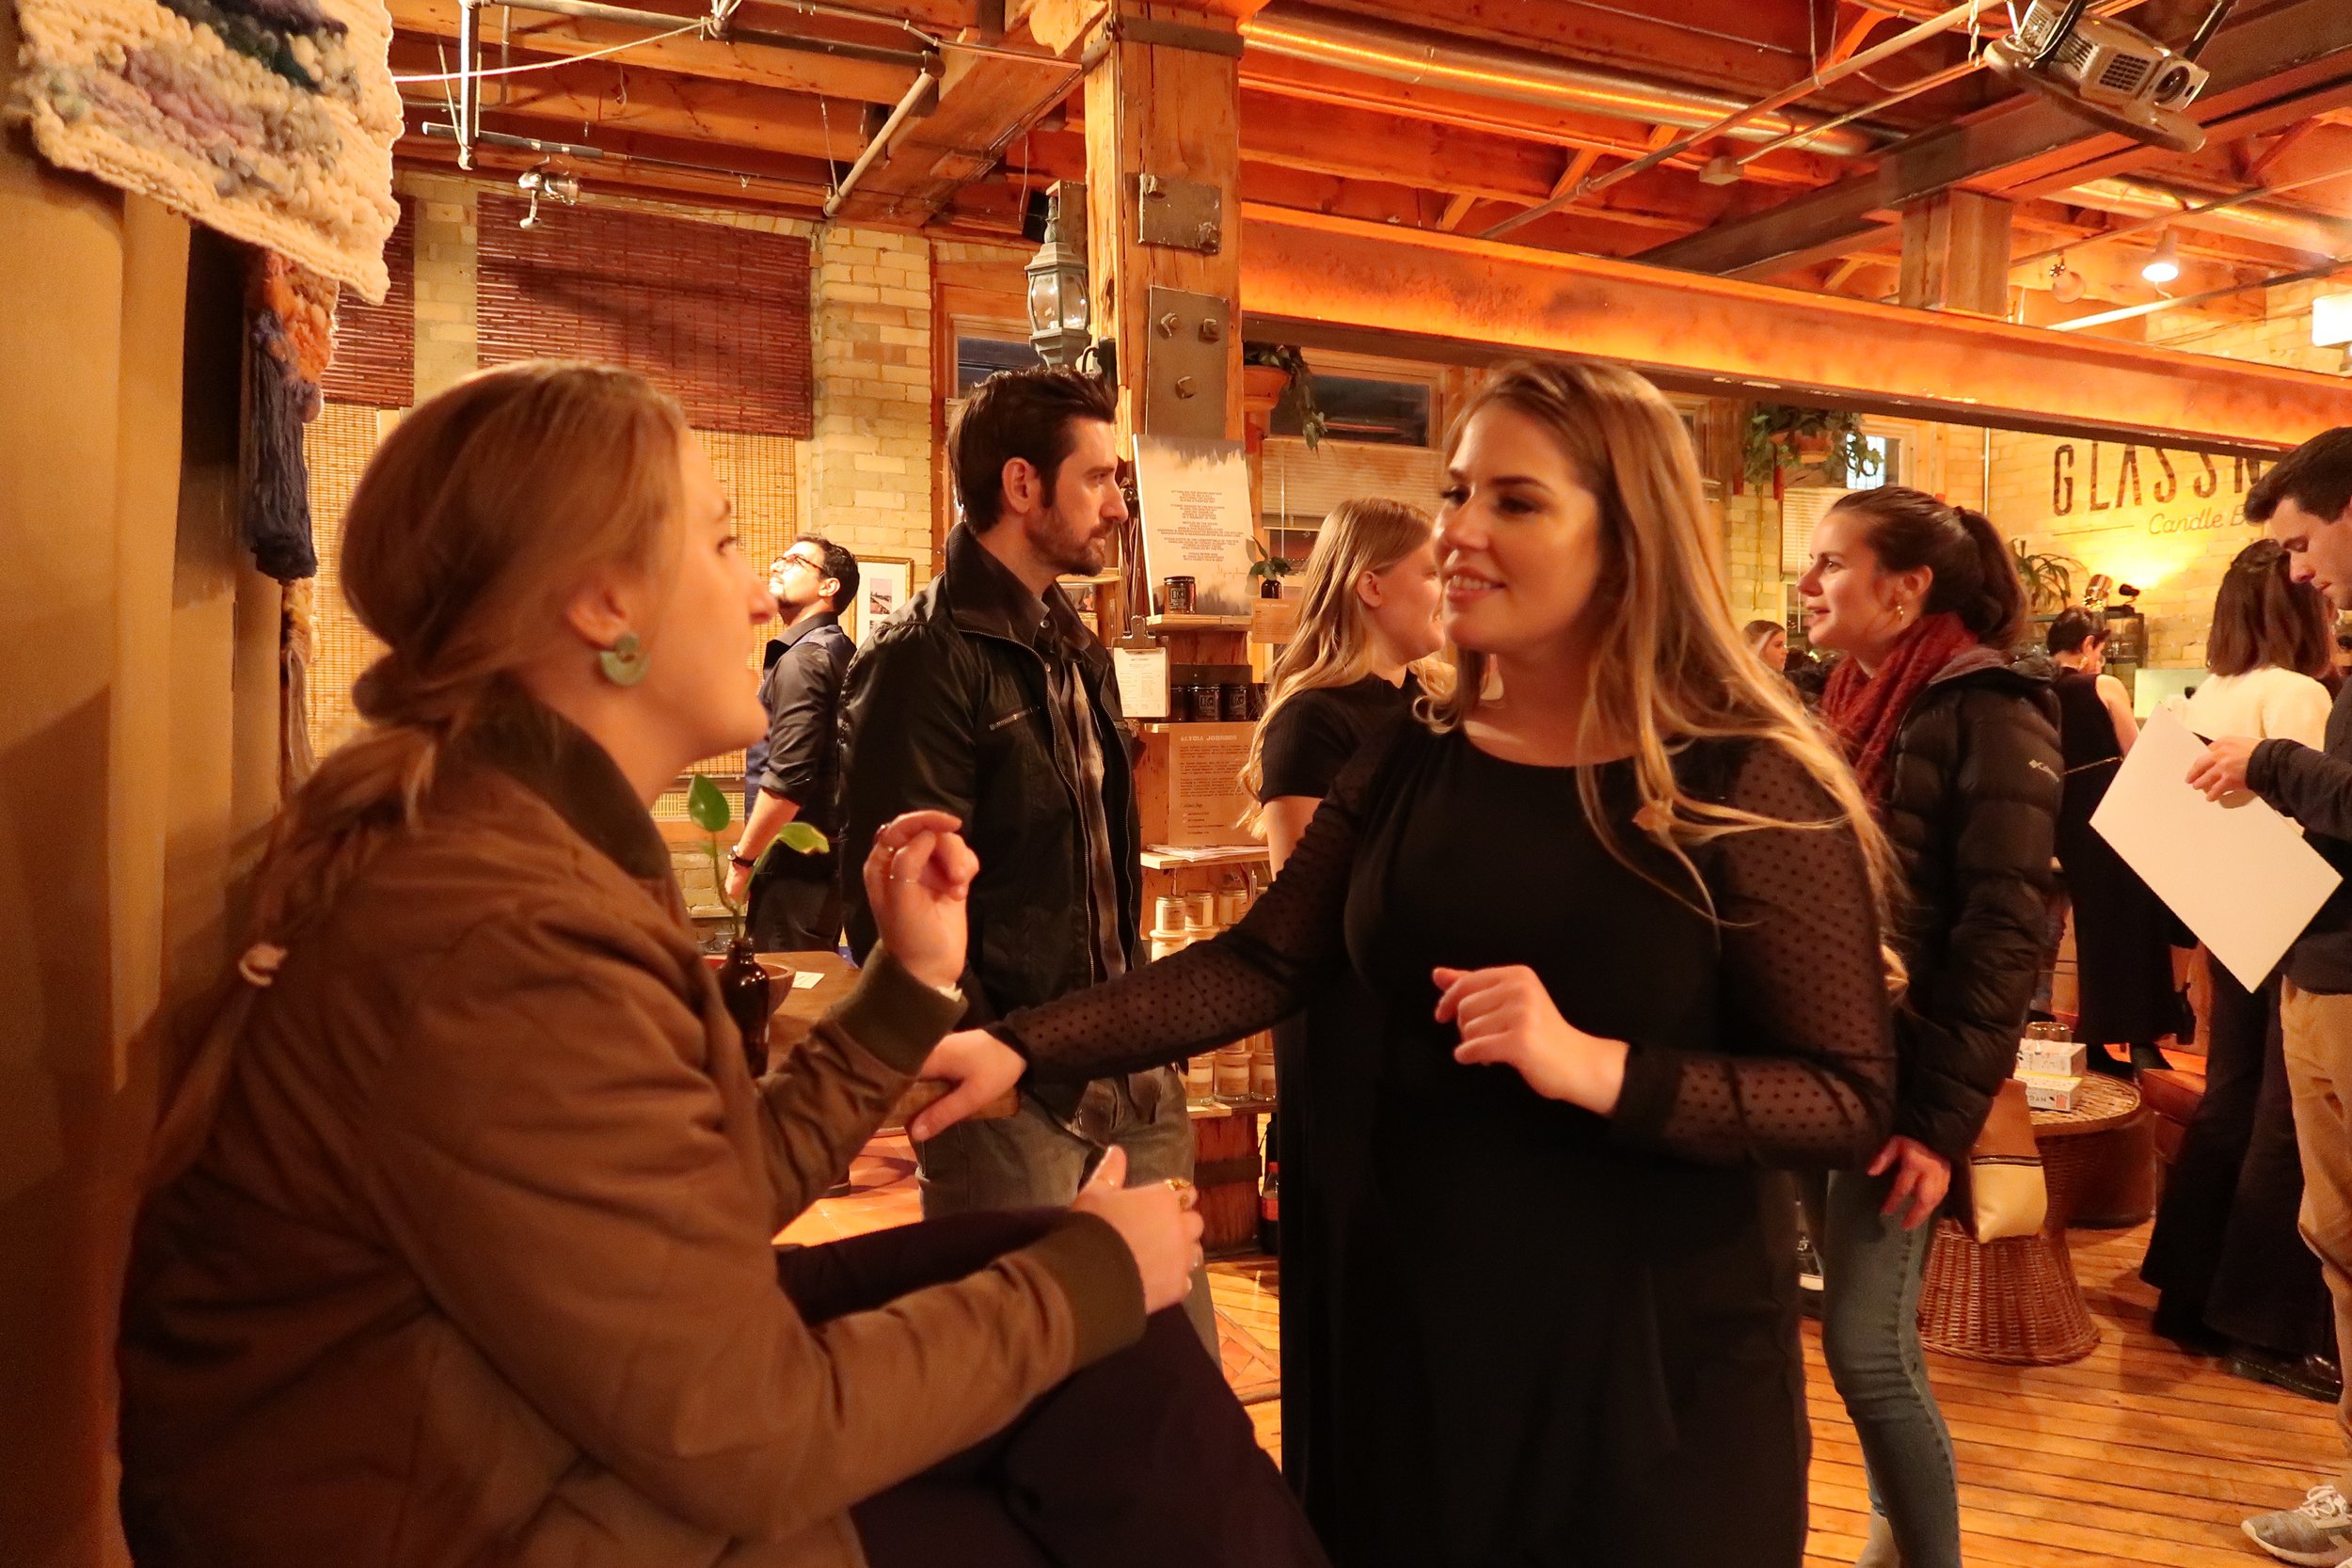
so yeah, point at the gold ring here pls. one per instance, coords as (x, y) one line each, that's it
(1188, 1196)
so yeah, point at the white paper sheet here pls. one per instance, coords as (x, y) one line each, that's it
(2239, 875)
(1196, 519)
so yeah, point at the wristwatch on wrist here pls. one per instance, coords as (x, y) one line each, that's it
(738, 858)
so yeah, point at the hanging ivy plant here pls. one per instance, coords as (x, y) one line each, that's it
(1298, 398)
(1780, 435)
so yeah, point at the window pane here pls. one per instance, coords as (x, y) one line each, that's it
(977, 358)
(1888, 449)
(1393, 412)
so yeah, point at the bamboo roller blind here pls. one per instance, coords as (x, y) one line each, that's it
(718, 315)
(375, 345)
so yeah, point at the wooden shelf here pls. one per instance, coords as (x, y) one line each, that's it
(1198, 623)
(1188, 726)
(1247, 1105)
(1177, 859)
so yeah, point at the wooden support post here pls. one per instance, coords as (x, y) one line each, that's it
(1956, 253)
(1165, 105)
(1170, 110)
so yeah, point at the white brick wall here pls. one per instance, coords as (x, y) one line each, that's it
(870, 464)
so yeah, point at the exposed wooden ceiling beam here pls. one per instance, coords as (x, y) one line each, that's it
(1335, 282)
(555, 37)
(1367, 145)
(1377, 201)
(582, 98)
(1734, 46)
(1456, 208)
(2310, 36)
(985, 104)
(1560, 127)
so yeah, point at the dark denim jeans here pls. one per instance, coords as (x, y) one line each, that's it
(1872, 1271)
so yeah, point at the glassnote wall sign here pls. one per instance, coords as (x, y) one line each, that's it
(2164, 520)
(1196, 519)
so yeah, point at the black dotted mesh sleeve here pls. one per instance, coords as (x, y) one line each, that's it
(1805, 1075)
(1247, 979)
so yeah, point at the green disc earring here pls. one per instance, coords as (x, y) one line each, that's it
(624, 662)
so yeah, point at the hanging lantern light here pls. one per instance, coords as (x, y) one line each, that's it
(1058, 313)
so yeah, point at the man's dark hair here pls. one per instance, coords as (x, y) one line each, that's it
(2069, 629)
(1025, 413)
(840, 565)
(2316, 476)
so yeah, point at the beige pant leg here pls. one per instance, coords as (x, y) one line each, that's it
(2318, 1038)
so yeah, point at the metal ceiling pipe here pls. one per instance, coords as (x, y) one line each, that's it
(2269, 223)
(468, 79)
(1492, 71)
(926, 87)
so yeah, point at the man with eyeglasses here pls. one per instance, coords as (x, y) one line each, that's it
(793, 904)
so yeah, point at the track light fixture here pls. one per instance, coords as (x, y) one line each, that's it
(2164, 262)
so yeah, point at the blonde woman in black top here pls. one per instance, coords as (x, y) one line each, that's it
(1611, 917)
(1367, 626)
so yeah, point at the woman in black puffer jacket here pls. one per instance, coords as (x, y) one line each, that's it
(1958, 753)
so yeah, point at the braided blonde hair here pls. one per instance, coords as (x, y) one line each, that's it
(478, 515)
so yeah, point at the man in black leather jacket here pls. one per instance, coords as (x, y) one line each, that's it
(985, 696)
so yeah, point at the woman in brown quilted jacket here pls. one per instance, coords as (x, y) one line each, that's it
(458, 1251)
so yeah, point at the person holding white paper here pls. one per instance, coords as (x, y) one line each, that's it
(2307, 503)
(2234, 1280)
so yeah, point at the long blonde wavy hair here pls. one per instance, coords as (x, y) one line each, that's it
(1670, 663)
(481, 513)
(1334, 644)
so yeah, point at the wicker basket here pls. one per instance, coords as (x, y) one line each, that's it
(2014, 1302)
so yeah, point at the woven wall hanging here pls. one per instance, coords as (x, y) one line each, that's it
(269, 121)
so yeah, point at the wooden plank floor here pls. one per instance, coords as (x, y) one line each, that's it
(2135, 1455)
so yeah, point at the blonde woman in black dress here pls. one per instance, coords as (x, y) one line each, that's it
(1367, 629)
(1615, 916)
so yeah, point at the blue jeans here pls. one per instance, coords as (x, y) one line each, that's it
(1872, 1271)
(1034, 1159)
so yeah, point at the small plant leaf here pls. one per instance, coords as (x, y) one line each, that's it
(802, 838)
(707, 805)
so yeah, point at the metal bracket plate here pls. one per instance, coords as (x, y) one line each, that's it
(1186, 353)
(1179, 214)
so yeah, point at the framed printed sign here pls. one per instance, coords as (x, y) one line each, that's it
(882, 586)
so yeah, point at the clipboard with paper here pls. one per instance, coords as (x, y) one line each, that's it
(2239, 875)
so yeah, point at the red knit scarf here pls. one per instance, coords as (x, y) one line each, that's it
(1867, 709)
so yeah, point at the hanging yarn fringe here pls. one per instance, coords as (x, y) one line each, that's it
(297, 647)
(289, 336)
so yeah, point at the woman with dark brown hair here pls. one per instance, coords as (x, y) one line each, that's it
(459, 1250)
(2234, 1275)
(1602, 933)
(1958, 757)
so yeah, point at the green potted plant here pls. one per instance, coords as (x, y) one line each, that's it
(1781, 436)
(1298, 393)
(1268, 568)
(2048, 577)
(746, 983)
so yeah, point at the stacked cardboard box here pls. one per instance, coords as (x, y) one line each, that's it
(2052, 1071)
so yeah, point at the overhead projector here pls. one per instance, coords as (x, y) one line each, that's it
(2115, 77)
